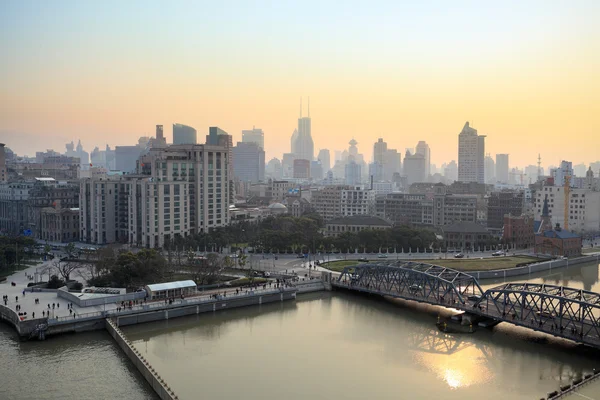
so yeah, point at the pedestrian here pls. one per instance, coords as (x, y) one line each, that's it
(70, 311)
(57, 305)
(16, 299)
(43, 313)
(33, 314)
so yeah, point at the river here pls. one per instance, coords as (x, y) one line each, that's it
(323, 346)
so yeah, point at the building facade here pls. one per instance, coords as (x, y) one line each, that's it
(502, 168)
(583, 208)
(518, 231)
(254, 135)
(59, 224)
(503, 203)
(183, 134)
(466, 236)
(249, 162)
(355, 224)
(357, 201)
(471, 155)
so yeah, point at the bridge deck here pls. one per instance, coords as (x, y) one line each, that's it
(563, 312)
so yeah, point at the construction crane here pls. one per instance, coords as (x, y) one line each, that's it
(567, 190)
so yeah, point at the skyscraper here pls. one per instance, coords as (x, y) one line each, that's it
(254, 135)
(379, 151)
(183, 134)
(393, 164)
(249, 162)
(218, 137)
(352, 172)
(414, 168)
(502, 168)
(325, 158)
(471, 151)
(303, 146)
(490, 169)
(423, 149)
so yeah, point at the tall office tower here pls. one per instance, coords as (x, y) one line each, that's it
(218, 137)
(183, 134)
(490, 169)
(580, 170)
(423, 149)
(159, 140)
(316, 170)
(3, 172)
(414, 168)
(392, 162)
(379, 151)
(303, 146)
(502, 168)
(254, 135)
(249, 162)
(352, 172)
(471, 151)
(325, 159)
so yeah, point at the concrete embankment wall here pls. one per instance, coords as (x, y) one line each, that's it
(315, 285)
(221, 304)
(10, 316)
(532, 268)
(158, 384)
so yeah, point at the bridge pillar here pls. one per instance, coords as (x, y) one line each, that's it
(326, 277)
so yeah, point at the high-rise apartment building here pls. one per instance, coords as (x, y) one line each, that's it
(182, 190)
(502, 168)
(249, 162)
(218, 137)
(254, 135)
(423, 149)
(471, 151)
(183, 134)
(559, 174)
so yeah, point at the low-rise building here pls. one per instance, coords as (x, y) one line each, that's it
(355, 223)
(518, 231)
(296, 205)
(59, 224)
(466, 236)
(558, 242)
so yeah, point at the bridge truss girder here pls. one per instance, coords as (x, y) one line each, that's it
(554, 309)
(416, 281)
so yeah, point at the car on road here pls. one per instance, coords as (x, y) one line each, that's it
(498, 253)
(364, 259)
(473, 297)
(415, 288)
(380, 255)
(300, 256)
(459, 255)
(545, 314)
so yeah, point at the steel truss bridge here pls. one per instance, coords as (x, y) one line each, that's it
(565, 312)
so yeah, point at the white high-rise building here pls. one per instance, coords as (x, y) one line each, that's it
(559, 174)
(471, 155)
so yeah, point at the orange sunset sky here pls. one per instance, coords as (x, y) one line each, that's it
(526, 75)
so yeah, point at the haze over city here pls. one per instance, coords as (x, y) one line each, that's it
(523, 74)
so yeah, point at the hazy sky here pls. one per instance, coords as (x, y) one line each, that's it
(526, 74)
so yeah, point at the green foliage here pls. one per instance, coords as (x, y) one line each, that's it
(13, 250)
(55, 282)
(131, 270)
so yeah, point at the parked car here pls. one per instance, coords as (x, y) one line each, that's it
(300, 256)
(364, 259)
(459, 255)
(498, 253)
(380, 255)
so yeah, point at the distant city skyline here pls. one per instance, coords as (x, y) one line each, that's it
(523, 74)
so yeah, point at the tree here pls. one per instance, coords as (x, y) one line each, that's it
(70, 250)
(206, 271)
(65, 268)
